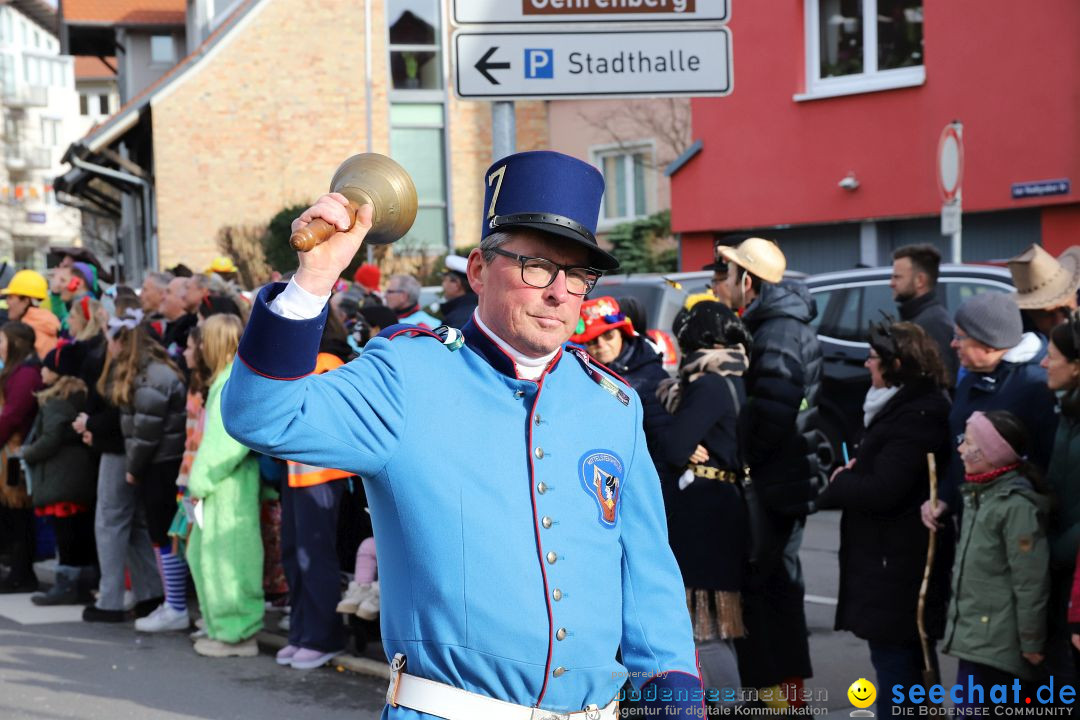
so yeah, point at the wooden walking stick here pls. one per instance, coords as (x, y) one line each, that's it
(930, 675)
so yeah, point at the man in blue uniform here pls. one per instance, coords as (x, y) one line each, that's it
(523, 548)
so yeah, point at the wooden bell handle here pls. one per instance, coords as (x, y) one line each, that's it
(319, 231)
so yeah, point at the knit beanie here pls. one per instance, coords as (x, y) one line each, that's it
(64, 359)
(368, 276)
(993, 319)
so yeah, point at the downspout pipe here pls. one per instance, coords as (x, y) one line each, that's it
(149, 241)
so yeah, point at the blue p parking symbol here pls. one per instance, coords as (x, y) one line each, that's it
(539, 63)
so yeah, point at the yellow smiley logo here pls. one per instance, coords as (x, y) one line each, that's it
(862, 693)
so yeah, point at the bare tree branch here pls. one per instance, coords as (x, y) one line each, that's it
(666, 120)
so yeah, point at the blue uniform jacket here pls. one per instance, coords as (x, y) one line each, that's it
(518, 552)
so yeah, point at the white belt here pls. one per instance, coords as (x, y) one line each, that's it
(451, 703)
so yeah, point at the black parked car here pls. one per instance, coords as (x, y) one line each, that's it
(847, 301)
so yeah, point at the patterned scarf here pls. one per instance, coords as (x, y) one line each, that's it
(718, 361)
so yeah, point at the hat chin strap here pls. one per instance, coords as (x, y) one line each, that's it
(542, 218)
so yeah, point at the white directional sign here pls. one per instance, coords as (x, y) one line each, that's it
(509, 65)
(468, 12)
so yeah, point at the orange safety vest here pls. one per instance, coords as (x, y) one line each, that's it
(301, 475)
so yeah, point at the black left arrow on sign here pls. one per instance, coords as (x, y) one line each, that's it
(483, 65)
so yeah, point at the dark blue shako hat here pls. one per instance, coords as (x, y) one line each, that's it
(547, 191)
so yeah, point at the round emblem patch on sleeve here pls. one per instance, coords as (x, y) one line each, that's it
(602, 476)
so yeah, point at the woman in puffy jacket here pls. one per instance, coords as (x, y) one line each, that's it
(149, 390)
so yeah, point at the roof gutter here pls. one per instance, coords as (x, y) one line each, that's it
(112, 132)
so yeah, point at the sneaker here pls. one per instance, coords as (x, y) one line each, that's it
(145, 607)
(283, 623)
(285, 655)
(208, 647)
(368, 609)
(304, 659)
(92, 613)
(354, 595)
(164, 619)
(200, 633)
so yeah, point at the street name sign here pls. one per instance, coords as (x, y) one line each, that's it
(483, 12)
(1041, 188)
(534, 65)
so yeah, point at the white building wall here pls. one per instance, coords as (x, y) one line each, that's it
(40, 111)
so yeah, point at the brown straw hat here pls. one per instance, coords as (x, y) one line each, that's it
(758, 256)
(1043, 282)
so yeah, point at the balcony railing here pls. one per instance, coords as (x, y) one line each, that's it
(27, 157)
(25, 96)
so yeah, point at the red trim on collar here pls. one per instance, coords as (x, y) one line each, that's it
(602, 366)
(513, 363)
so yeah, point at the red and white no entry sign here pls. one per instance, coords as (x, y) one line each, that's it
(950, 156)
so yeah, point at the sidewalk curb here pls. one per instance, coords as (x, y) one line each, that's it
(359, 665)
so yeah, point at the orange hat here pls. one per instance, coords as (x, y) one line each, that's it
(368, 276)
(598, 316)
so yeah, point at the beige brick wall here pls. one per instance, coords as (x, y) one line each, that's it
(264, 121)
(470, 157)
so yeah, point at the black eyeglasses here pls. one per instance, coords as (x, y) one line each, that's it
(540, 272)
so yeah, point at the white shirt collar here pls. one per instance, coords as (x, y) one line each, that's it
(527, 368)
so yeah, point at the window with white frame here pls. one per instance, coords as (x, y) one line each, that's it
(162, 50)
(51, 131)
(858, 46)
(627, 177)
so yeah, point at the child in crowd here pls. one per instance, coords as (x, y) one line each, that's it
(362, 596)
(1001, 586)
(63, 476)
(225, 546)
(149, 390)
(120, 528)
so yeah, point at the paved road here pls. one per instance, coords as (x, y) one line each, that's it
(52, 666)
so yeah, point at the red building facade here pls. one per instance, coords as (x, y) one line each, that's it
(822, 95)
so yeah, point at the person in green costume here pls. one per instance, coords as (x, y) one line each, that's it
(225, 549)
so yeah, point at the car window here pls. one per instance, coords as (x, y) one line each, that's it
(651, 298)
(822, 300)
(844, 324)
(877, 299)
(959, 291)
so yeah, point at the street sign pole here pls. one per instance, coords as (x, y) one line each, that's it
(503, 129)
(950, 156)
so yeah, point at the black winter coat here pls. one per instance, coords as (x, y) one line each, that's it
(154, 424)
(175, 338)
(882, 539)
(458, 311)
(931, 315)
(707, 524)
(784, 377)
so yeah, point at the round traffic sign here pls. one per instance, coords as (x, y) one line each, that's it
(950, 157)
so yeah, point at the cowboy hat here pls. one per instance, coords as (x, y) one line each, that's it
(760, 257)
(1045, 282)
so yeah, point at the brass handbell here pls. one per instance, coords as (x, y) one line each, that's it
(376, 180)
